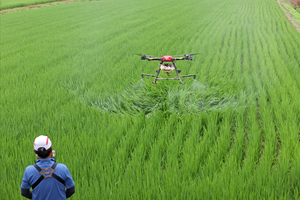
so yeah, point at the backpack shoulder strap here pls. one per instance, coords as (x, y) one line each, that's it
(54, 165)
(40, 179)
(37, 167)
(55, 176)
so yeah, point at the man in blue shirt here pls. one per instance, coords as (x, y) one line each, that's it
(49, 180)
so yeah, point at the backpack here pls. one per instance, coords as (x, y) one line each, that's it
(47, 174)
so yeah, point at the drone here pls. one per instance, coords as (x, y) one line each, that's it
(168, 66)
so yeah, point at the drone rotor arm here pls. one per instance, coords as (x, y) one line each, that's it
(153, 59)
(149, 58)
(185, 58)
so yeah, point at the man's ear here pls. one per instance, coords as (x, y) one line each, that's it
(34, 151)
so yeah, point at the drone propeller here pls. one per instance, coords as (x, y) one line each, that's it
(143, 55)
(191, 54)
(139, 54)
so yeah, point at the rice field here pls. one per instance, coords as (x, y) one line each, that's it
(69, 72)
(8, 4)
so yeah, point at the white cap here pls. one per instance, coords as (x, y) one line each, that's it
(42, 141)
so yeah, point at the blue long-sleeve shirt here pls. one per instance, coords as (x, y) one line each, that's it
(48, 188)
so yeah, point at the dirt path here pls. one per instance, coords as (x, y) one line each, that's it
(289, 16)
(294, 3)
(34, 6)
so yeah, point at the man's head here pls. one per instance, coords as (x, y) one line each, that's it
(42, 146)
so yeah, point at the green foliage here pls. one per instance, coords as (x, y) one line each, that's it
(170, 98)
(68, 71)
(6, 4)
(295, 14)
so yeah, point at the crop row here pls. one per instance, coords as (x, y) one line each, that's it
(71, 74)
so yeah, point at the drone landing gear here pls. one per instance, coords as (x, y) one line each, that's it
(177, 72)
(156, 77)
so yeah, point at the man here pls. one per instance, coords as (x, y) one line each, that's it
(47, 178)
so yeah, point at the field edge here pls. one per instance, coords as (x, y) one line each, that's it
(291, 14)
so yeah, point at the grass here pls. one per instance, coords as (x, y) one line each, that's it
(67, 71)
(143, 97)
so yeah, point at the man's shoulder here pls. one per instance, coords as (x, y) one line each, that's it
(30, 168)
(62, 168)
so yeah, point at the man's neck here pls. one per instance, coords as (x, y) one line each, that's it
(50, 156)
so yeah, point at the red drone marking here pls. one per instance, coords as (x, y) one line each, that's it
(167, 59)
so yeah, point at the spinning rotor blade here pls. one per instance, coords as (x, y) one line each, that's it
(139, 54)
(191, 54)
(147, 57)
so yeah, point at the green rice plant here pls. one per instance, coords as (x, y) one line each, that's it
(294, 12)
(68, 71)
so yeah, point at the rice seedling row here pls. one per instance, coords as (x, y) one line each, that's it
(71, 74)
